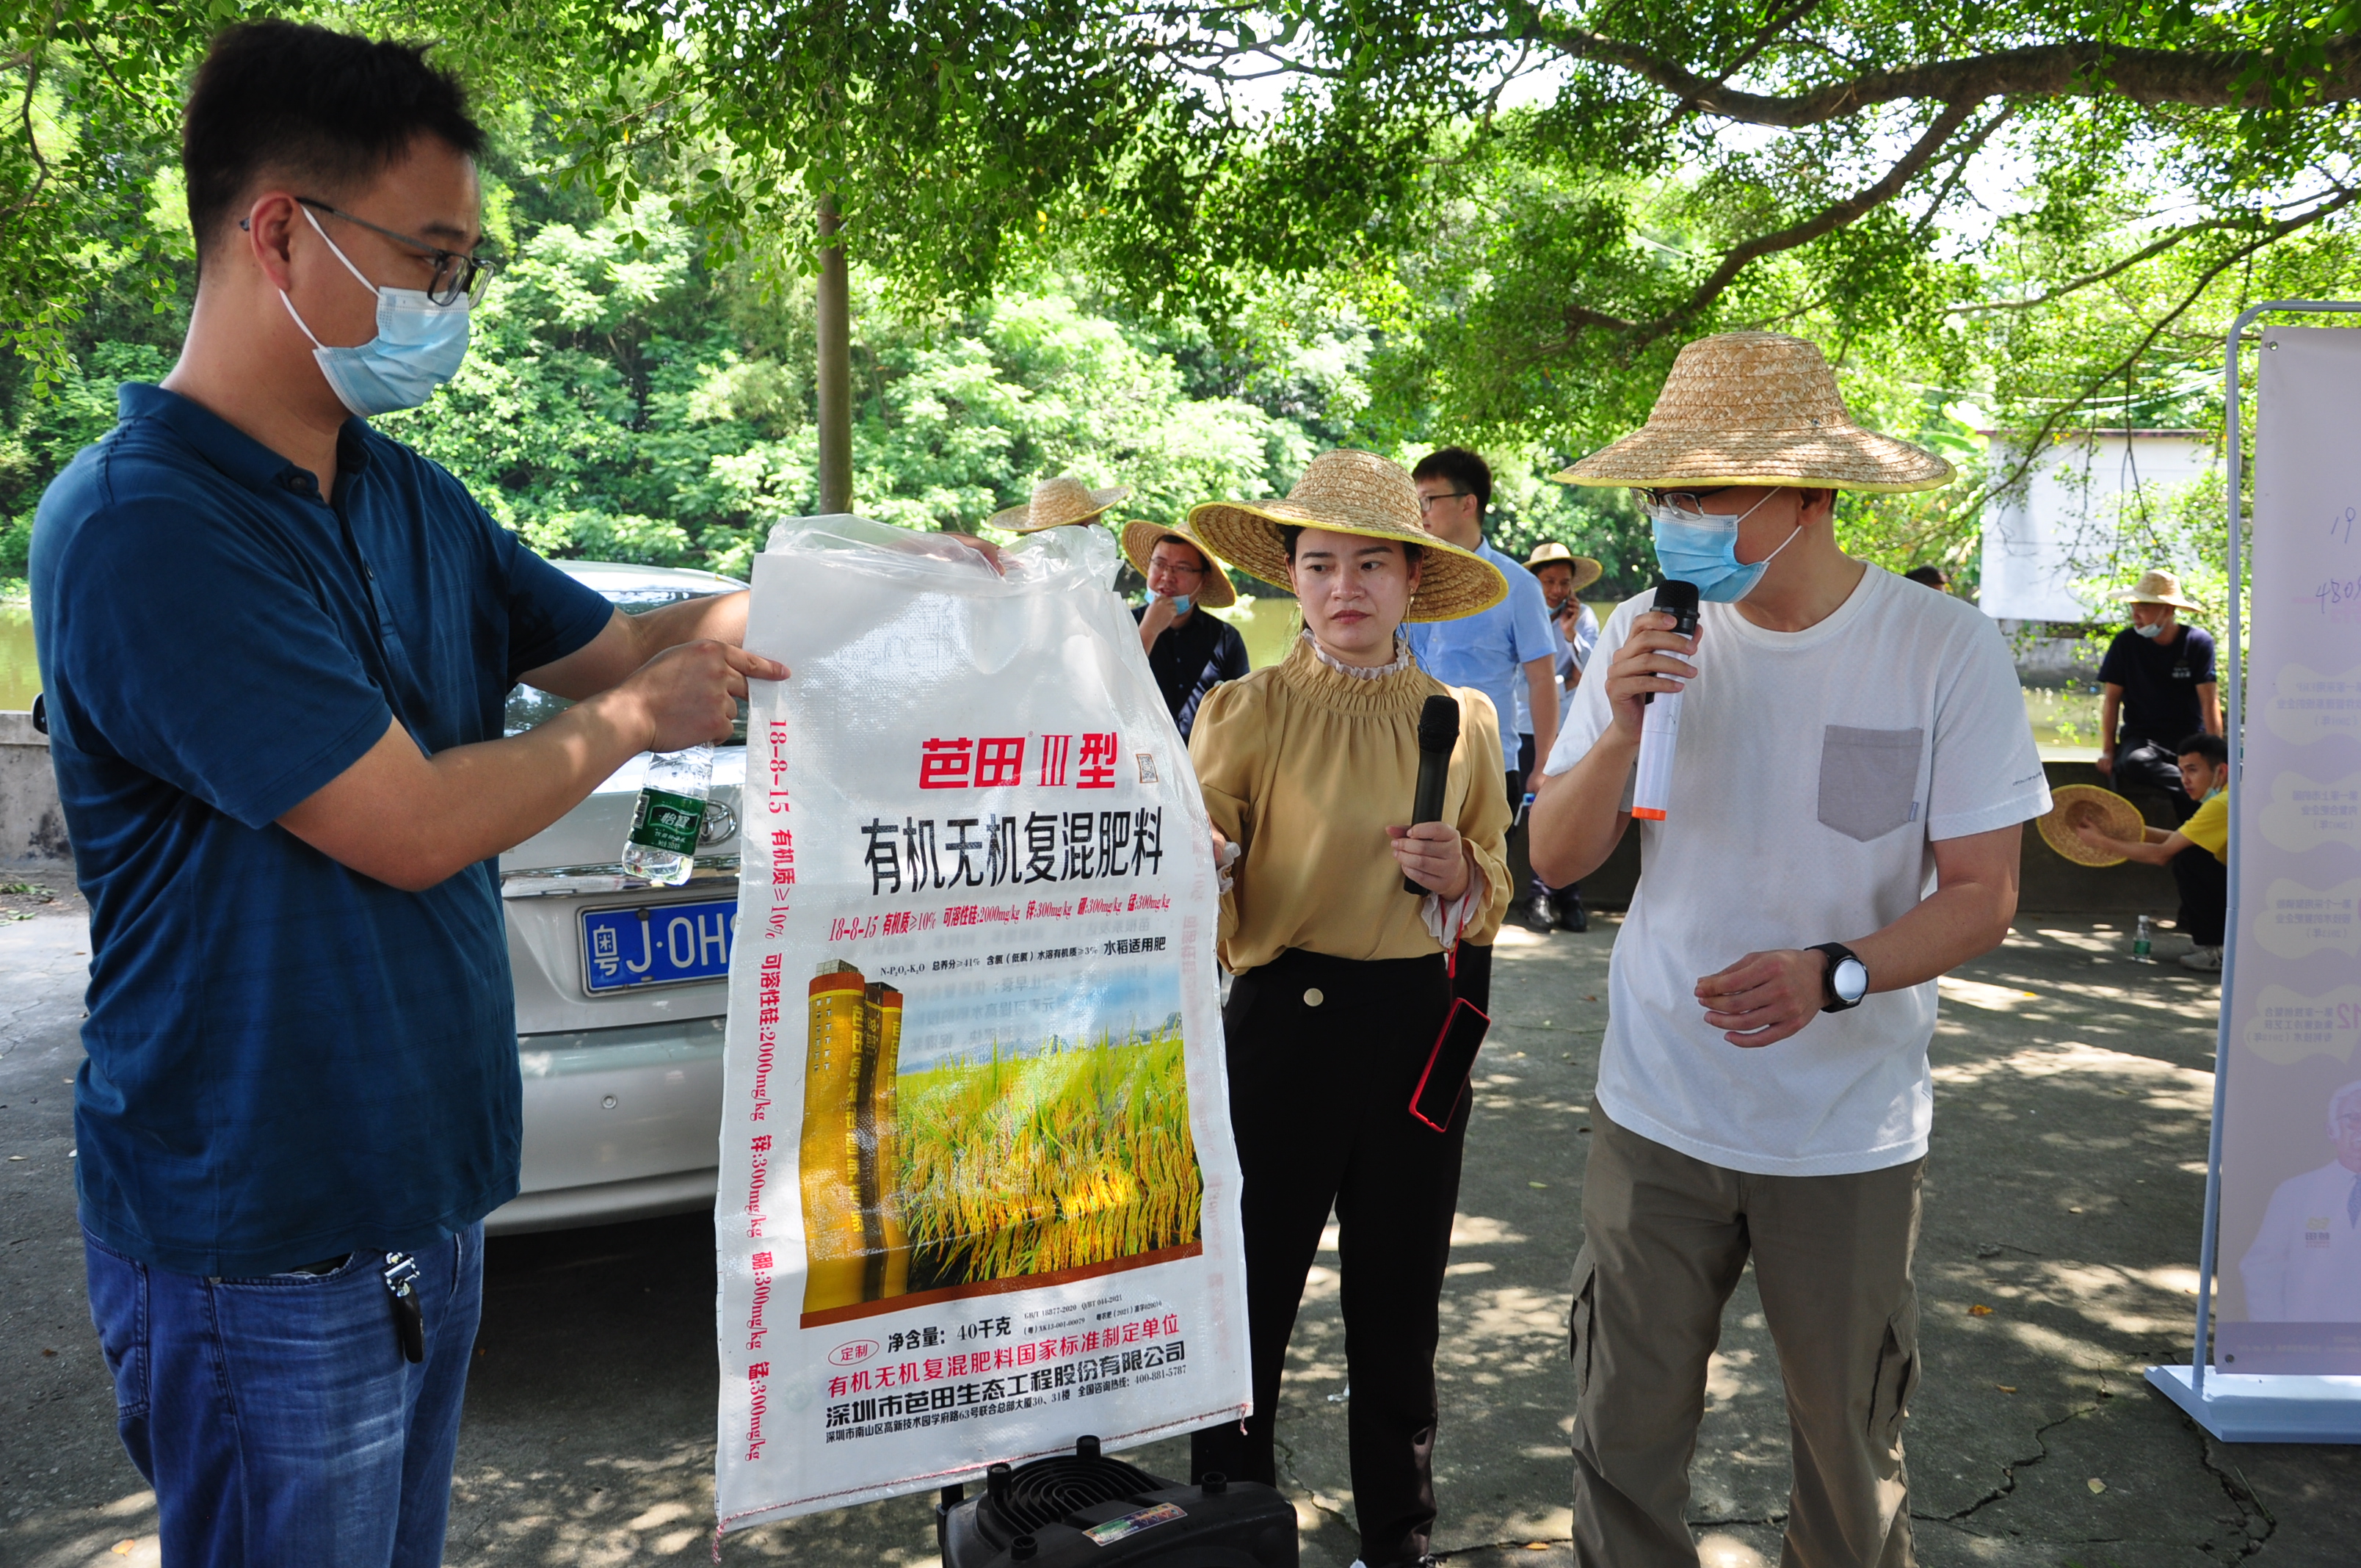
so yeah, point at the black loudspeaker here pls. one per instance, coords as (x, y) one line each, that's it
(1089, 1509)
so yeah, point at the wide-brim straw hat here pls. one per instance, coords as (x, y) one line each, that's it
(1586, 570)
(1757, 408)
(1140, 540)
(2071, 806)
(1056, 503)
(2158, 587)
(1362, 494)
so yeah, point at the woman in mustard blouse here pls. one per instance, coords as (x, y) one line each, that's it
(1307, 770)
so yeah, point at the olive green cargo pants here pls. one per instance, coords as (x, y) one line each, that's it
(1666, 1238)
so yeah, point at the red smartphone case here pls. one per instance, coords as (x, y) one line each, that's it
(1436, 1098)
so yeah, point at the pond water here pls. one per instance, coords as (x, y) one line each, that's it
(2064, 722)
(1266, 624)
(20, 677)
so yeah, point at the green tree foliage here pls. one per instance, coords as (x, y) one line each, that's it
(1522, 207)
(625, 399)
(1670, 167)
(89, 94)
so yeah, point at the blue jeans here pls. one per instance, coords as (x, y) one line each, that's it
(276, 1417)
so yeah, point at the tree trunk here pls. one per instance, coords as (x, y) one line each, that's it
(835, 369)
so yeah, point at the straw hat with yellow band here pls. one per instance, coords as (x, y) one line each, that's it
(1586, 570)
(1140, 541)
(2071, 807)
(1055, 503)
(1361, 494)
(1756, 408)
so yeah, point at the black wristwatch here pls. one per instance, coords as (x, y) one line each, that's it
(1846, 981)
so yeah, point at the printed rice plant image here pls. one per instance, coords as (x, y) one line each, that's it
(1066, 1156)
(979, 1131)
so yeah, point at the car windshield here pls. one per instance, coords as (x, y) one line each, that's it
(529, 706)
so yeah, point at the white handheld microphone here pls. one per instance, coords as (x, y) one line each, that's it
(1660, 731)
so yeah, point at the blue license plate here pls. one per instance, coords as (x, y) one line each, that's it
(656, 944)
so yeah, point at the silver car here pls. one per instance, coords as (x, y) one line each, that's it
(620, 986)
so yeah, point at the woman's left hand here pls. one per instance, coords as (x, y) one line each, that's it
(1431, 856)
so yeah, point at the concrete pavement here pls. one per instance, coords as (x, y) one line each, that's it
(2063, 1193)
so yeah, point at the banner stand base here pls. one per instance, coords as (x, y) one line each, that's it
(2274, 1408)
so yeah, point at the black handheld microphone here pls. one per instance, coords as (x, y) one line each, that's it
(1679, 600)
(1660, 731)
(1438, 732)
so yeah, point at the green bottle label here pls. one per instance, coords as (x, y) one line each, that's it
(667, 821)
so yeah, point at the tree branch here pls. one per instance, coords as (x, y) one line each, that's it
(1745, 57)
(2279, 231)
(1959, 161)
(2079, 68)
(33, 57)
(2030, 451)
(1738, 258)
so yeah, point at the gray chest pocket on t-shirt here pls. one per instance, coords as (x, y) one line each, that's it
(1868, 780)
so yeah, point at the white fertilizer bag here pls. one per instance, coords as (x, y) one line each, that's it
(978, 1193)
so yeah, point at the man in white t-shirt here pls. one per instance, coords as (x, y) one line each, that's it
(1852, 767)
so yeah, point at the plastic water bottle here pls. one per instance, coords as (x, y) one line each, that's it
(662, 845)
(2141, 935)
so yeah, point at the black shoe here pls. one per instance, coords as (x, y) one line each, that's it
(1540, 918)
(1572, 916)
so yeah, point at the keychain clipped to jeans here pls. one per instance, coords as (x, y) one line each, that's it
(409, 1323)
(1436, 1098)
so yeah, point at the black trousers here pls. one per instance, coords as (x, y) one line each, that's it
(2155, 766)
(2204, 885)
(1324, 1054)
(1519, 782)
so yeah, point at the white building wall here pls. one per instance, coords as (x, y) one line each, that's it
(2069, 507)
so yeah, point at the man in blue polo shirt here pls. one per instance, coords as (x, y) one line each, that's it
(275, 646)
(1507, 653)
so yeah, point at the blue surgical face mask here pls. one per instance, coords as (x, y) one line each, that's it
(1179, 604)
(2153, 628)
(1704, 550)
(419, 345)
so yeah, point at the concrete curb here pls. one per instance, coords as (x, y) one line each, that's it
(32, 825)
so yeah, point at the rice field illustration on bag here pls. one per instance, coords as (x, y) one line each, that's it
(1050, 1157)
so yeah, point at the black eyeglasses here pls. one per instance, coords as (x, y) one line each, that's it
(1426, 503)
(1685, 502)
(455, 274)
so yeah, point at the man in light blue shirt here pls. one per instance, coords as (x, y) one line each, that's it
(1507, 650)
(1562, 576)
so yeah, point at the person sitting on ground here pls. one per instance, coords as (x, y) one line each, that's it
(1308, 768)
(2198, 851)
(1188, 652)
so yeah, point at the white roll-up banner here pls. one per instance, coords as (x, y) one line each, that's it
(2291, 1216)
(978, 1194)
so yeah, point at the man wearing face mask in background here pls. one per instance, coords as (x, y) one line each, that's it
(1509, 646)
(1189, 652)
(1764, 1089)
(276, 646)
(2158, 677)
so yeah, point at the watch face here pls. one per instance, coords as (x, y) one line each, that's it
(1850, 980)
